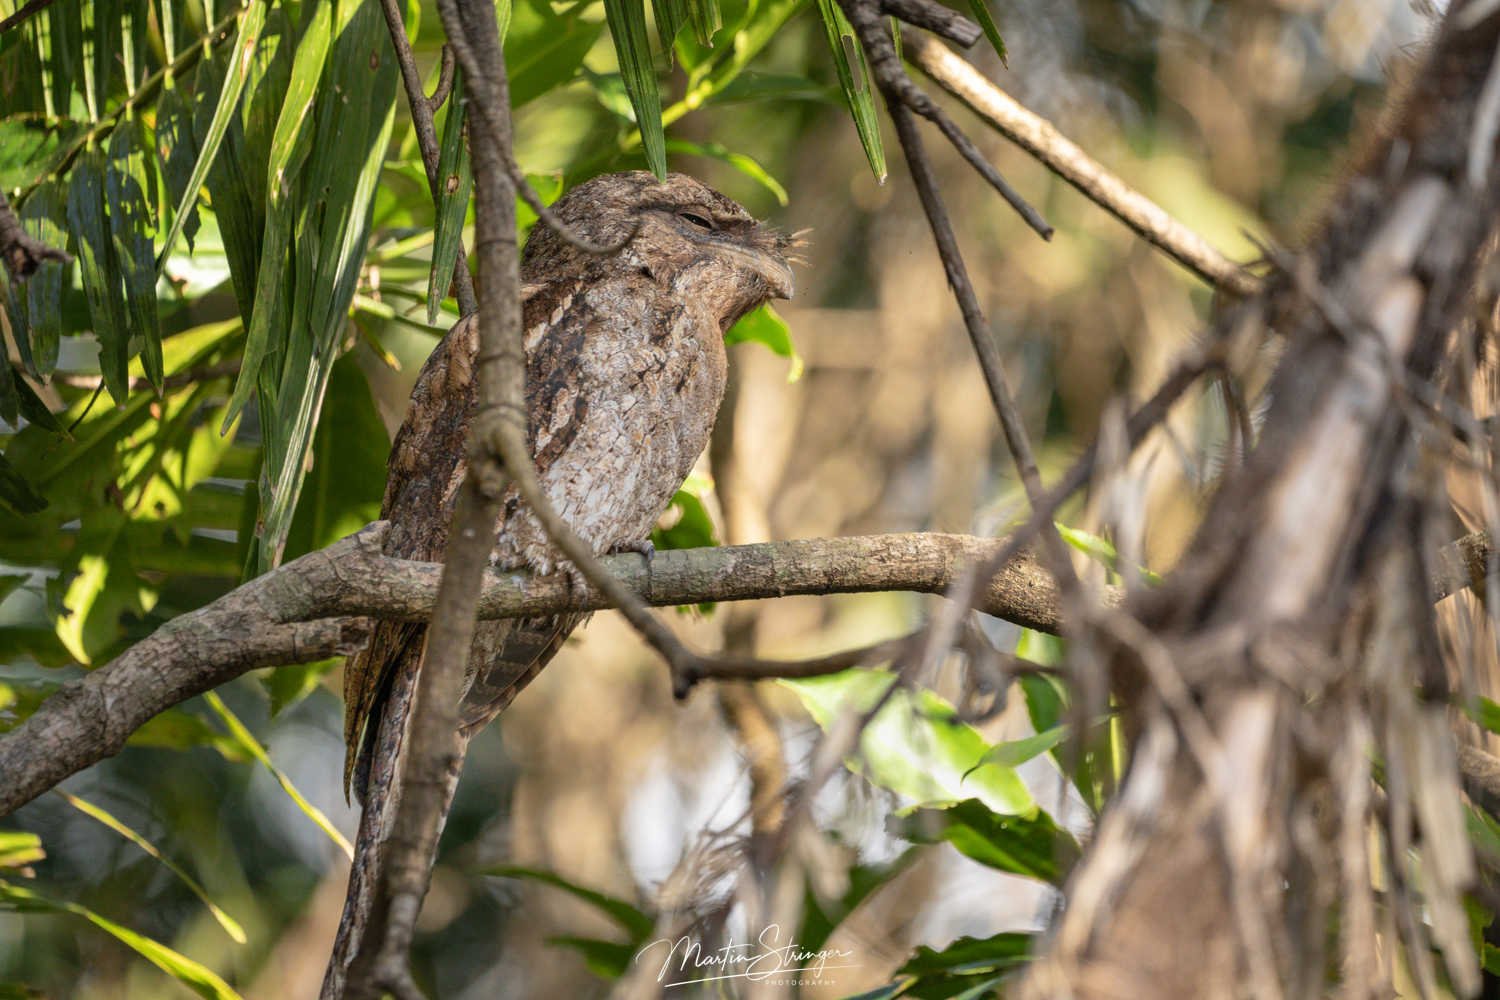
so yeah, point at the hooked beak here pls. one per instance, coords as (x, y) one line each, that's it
(772, 268)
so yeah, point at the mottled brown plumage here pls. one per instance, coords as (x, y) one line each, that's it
(625, 373)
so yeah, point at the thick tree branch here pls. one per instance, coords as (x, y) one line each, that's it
(301, 612)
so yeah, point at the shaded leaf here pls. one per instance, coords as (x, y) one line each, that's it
(44, 217)
(746, 165)
(706, 18)
(130, 189)
(605, 959)
(635, 922)
(241, 58)
(854, 79)
(627, 26)
(16, 493)
(544, 49)
(177, 147)
(31, 147)
(455, 186)
(99, 269)
(670, 16)
(1035, 847)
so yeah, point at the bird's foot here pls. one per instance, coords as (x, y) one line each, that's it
(645, 547)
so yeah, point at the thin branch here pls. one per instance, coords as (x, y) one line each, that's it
(1093, 180)
(19, 17)
(22, 252)
(422, 110)
(936, 18)
(445, 81)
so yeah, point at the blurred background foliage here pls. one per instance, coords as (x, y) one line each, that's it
(210, 389)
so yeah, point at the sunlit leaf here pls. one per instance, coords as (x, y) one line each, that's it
(198, 978)
(19, 848)
(854, 78)
(916, 745)
(230, 925)
(252, 746)
(627, 26)
(746, 165)
(766, 327)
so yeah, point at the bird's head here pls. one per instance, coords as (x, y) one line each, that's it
(678, 231)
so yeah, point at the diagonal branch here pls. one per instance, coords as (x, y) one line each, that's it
(1093, 180)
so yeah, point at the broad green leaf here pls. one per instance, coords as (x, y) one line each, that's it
(455, 185)
(854, 78)
(241, 58)
(969, 956)
(100, 270)
(981, 9)
(765, 326)
(544, 49)
(196, 977)
(1013, 753)
(916, 745)
(746, 165)
(1035, 847)
(689, 526)
(31, 147)
(19, 848)
(130, 189)
(44, 216)
(630, 917)
(627, 26)
(230, 925)
(16, 493)
(247, 742)
(548, 188)
(1485, 712)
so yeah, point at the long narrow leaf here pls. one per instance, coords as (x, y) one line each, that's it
(627, 25)
(981, 9)
(178, 148)
(290, 144)
(706, 18)
(230, 925)
(241, 56)
(196, 977)
(130, 189)
(100, 270)
(44, 215)
(854, 78)
(670, 16)
(455, 184)
(252, 746)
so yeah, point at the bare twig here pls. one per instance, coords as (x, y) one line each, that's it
(1039, 138)
(936, 18)
(422, 110)
(27, 10)
(445, 81)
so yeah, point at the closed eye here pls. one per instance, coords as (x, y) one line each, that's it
(697, 220)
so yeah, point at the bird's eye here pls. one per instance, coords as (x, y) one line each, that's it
(696, 219)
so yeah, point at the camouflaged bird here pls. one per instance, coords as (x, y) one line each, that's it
(625, 370)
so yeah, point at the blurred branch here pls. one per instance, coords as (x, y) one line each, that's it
(936, 18)
(422, 110)
(26, 11)
(1041, 139)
